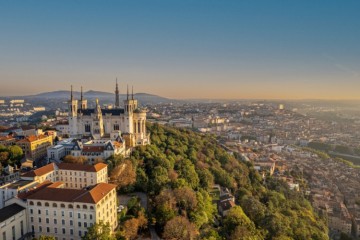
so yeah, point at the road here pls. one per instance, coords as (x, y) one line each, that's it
(153, 233)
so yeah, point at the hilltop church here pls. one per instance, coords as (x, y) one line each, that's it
(100, 123)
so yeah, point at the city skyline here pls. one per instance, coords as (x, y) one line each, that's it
(183, 50)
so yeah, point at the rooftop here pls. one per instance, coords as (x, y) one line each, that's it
(9, 211)
(17, 184)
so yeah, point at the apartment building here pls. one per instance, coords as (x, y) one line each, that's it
(339, 217)
(19, 131)
(99, 148)
(10, 190)
(35, 147)
(66, 213)
(72, 175)
(10, 174)
(13, 222)
(8, 140)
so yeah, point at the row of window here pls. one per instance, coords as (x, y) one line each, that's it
(71, 223)
(62, 213)
(31, 203)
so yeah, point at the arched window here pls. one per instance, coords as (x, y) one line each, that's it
(54, 205)
(98, 206)
(31, 203)
(84, 207)
(78, 206)
(91, 207)
(39, 204)
(70, 206)
(46, 204)
(62, 205)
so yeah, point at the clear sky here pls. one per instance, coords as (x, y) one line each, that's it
(183, 49)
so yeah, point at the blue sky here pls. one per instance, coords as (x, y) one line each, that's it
(183, 49)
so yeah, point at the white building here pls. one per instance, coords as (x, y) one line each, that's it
(55, 153)
(101, 122)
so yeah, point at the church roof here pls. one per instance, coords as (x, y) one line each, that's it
(104, 111)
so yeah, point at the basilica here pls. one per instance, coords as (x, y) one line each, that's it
(99, 123)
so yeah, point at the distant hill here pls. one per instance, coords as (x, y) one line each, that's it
(91, 95)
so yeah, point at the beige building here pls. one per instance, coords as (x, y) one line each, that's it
(66, 213)
(339, 217)
(13, 222)
(72, 175)
(7, 141)
(10, 190)
(35, 147)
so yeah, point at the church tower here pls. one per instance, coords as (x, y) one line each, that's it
(117, 99)
(128, 110)
(73, 114)
(98, 124)
(83, 103)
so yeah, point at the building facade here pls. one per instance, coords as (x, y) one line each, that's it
(67, 213)
(35, 147)
(101, 122)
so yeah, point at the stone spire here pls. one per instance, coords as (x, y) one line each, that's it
(132, 92)
(117, 100)
(82, 97)
(127, 92)
(72, 95)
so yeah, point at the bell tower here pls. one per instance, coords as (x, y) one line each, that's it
(73, 114)
(128, 110)
(83, 103)
(98, 124)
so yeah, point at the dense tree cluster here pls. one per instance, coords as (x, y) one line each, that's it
(10, 156)
(178, 170)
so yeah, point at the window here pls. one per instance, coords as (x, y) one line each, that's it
(31, 203)
(55, 230)
(22, 228)
(47, 220)
(54, 205)
(85, 224)
(39, 204)
(4, 235)
(90, 224)
(79, 215)
(62, 213)
(84, 216)
(32, 228)
(31, 211)
(71, 222)
(31, 219)
(39, 211)
(70, 214)
(13, 232)
(62, 205)
(54, 213)
(63, 231)
(55, 221)
(40, 229)
(47, 212)
(80, 233)
(79, 224)
(90, 216)
(70, 206)
(62, 221)
(39, 220)
(47, 229)
(71, 231)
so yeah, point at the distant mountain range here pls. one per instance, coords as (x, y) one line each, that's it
(62, 94)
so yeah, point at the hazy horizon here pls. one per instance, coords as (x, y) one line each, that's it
(183, 50)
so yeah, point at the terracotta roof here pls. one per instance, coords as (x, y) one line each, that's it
(24, 195)
(81, 167)
(27, 128)
(73, 195)
(93, 149)
(57, 194)
(56, 185)
(33, 138)
(97, 193)
(6, 138)
(41, 171)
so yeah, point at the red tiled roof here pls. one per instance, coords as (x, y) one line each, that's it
(6, 138)
(81, 167)
(24, 195)
(41, 171)
(93, 149)
(73, 195)
(97, 193)
(33, 138)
